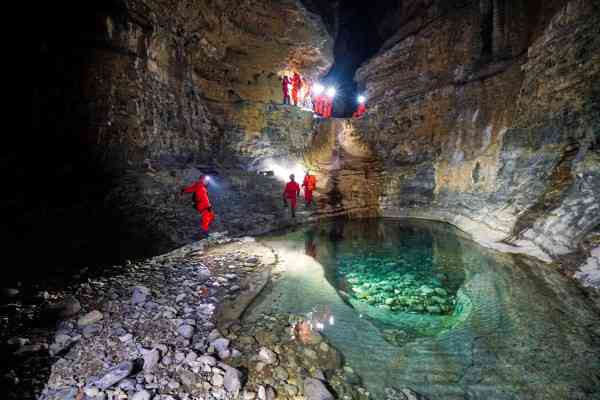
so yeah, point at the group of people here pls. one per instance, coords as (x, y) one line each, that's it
(296, 91)
(323, 101)
(291, 193)
(292, 89)
(299, 92)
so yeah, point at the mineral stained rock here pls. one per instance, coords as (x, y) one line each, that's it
(489, 120)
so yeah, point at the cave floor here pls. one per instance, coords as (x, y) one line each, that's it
(169, 326)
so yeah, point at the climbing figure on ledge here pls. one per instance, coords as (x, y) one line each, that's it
(318, 98)
(296, 86)
(309, 185)
(285, 89)
(328, 103)
(361, 107)
(201, 203)
(291, 193)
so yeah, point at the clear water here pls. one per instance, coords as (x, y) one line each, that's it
(509, 328)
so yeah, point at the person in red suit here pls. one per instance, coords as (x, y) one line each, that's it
(201, 202)
(296, 86)
(291, 193)
(318, 98)
(309, 185)
(285, 89)
(362, 108)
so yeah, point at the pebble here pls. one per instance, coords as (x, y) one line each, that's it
(187, 331)
(127, 384)
(91, 391)
(291, 389)
(140, 295)
(248, 395)
(262, 393)
(280, 373)
(126, 338)
(267, 356)
(114, 375)
(151, 359)
(142, 395)
(69, 307)
(207, 360)
(310, 353)
(220, 344)
(91, 330)
(233, 380)
(90, 318)
(314, 389)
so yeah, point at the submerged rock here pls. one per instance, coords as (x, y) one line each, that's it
(267, 356)
(314, 389)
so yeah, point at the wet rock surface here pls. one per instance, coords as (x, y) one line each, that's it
(470, 133)
(155, 335)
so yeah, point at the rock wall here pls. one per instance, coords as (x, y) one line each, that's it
(131, 96)
(348, 174)
(486, 114)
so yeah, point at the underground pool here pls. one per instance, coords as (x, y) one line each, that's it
(416, 304)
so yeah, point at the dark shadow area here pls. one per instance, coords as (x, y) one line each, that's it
(360, 34)
(55, 214)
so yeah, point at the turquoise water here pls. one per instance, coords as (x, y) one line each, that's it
(414, 304)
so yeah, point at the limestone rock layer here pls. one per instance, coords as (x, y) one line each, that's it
(132, 99)
(485, 114)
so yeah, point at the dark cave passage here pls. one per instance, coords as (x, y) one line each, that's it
(361, 31)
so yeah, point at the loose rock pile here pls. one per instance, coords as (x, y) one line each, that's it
(290, 366)
(149, 332)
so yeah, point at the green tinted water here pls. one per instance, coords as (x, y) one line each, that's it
(415, 305)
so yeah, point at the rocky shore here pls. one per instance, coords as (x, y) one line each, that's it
(168, 328)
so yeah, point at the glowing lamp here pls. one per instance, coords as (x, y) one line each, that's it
(318, 89)
(362, 99)
(331, 92)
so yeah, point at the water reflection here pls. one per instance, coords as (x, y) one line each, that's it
(389, 268)
(517, 329)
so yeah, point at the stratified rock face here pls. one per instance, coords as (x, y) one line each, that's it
(133, 99)
(162, 76)
(348, 173)
(485, 114)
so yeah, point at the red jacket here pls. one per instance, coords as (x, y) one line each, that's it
(296, 82)
(200, 195)
(310, 182)
(285, 86)
(292, 190)
(360, 111)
